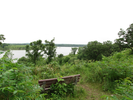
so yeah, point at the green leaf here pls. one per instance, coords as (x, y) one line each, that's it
(15, 92)
(20, 91)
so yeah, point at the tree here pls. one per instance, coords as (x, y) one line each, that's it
(35, 50)
(81, 52)
(4, 46)
(126, 37)
(107, 48)
(93, 51)
(119, 45)
(2, 38)
(50, 50)
(73, 51)
(60, 58)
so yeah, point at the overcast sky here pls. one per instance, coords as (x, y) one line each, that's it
(68, 21)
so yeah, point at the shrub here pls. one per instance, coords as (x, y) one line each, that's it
(61, 89)
(124, 90)
(66, 59)
(110, 69)
(16, 81)
(60, 59)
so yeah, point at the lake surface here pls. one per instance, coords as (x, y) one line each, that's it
(59, 50)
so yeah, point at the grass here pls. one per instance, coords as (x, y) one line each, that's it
(87, 92)
(84, 90)
(94, 91)
(97, 78)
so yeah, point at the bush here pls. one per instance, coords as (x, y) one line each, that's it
(66, 59)
(60, 59)
(16, 81)
(110, 69)
(124, 90)
(94, 50)
(61, 90)
(24, 60)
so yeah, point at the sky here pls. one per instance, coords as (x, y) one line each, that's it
(68, 21)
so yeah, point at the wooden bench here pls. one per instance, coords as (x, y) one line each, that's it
(46, 83)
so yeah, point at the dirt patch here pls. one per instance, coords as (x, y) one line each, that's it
(94, 91)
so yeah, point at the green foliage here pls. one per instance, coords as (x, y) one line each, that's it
(119, 45)
(23, 59)
(22, 46)
(73, 51)
(110, 69)
(108, 48)
(1, 52)
(60, 55)
(50, 50)
(124, 90)
(2, 38)
(26, 61)
(16, 81)
(61, 89)
(17, 47)
(4, 46)
(66, 59)
(41, 61)
(126, 37)
(37, 48)
(60, 59)
(81, 54)
(44, 72)
(93, 51)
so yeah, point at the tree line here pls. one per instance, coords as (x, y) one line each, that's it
(94, 50)
(114, 73)
(12, 46)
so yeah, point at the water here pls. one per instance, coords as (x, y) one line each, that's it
(20, 53)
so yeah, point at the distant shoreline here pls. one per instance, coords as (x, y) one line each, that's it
(58, 45)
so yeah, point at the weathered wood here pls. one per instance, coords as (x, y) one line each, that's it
(46, 83)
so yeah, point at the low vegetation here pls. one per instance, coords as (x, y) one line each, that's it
(113, 73)
(106, 71)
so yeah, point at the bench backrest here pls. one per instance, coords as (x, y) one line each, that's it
(46, 83)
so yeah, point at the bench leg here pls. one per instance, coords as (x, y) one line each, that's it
(44, 84)
(76, 80)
